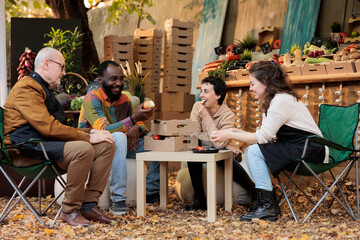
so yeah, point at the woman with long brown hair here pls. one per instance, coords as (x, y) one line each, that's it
(286, 124)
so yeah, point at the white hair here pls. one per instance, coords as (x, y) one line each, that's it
(43, 54)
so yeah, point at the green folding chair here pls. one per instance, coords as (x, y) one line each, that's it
(339, 126)
(35, 173)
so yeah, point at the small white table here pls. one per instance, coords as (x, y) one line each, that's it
(165, 157)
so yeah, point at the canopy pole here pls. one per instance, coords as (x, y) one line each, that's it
(3, 75)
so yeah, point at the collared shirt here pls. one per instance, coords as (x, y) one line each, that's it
(99, 112)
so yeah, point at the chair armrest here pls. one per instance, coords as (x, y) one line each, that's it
(31, 140)
(323, 141)
(320, 140)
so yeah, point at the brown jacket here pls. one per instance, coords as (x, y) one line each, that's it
(26, 105)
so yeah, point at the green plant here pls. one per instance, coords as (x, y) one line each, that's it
(118, 7)
(335, 27)
(293, 48)
(68, 43)
(136, 79)
(221, 72)
(248, 42)
(246, 55)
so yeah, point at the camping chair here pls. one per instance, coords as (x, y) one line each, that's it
(35, 173)
(339, 127)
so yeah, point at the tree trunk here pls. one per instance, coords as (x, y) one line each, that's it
(68, 9)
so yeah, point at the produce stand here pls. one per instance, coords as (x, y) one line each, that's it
(337, 89)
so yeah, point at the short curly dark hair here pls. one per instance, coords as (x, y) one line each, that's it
(104, 65)
(219, 85)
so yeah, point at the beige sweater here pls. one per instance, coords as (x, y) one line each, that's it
(224, 118)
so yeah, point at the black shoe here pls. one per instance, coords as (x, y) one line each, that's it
(267, 207)
(196, 204)
(118, 208)
(152, 198)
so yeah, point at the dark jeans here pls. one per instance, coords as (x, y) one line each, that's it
(240, 176)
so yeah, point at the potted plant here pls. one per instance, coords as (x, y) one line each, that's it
(69, 43)
(135, 79)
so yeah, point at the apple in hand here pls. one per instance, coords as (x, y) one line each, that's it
(148, 104)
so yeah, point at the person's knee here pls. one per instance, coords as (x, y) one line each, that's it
(120, 139)
(251, 150)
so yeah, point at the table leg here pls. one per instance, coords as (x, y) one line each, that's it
(211, 191)
(140, 188)
(163, 184)
(228, 175)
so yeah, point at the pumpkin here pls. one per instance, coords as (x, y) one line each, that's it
(230, 56)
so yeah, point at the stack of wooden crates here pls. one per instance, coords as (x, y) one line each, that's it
(174, 100)
(147, 50)
(119, 49)
(178, 53)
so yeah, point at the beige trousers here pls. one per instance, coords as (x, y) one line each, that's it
(81, 159)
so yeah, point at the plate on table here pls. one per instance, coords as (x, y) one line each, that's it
(207, 150)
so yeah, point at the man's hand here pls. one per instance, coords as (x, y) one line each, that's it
(101, 136)
(141, 114)
(133, 137)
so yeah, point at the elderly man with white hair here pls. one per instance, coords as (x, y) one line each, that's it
(32, 111)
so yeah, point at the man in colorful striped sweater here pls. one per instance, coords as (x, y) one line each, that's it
(107, 108)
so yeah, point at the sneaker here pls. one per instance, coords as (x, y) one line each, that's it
(118, 208)
(152, 198)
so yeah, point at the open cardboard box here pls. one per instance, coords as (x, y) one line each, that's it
(292, 71)
(170, 144)
(340, 67)
(313, 69)
(174, 127)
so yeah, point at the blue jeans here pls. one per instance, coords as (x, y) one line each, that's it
(258, 168)
(153, 176)
(118, 173)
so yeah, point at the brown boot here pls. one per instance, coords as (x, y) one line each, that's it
(74, 218)
(97, 215)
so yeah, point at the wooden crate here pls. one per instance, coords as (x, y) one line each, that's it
(292, 71)
(179, 48)
(147, 48)
(176, 87)
(148, 41)
(184, 40)
(148, 33)
(119, 55)
(178, 56)
(178, 64)
(313, 69)
(108, 40)
(171, 22)
(178, 72)
(176, 31)
(340, 67)
(151, 65)
(145, 56)
(169, 79)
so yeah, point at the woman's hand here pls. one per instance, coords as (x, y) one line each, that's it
(235, 150)
(220, 135)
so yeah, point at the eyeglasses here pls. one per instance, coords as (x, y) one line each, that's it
(61, 65)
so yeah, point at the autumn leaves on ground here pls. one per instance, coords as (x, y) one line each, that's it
(175, 223)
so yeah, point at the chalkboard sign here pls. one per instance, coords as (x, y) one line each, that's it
(316, 41)
(265, 48)
(335, 37)
(238, 50)
(219, 50)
